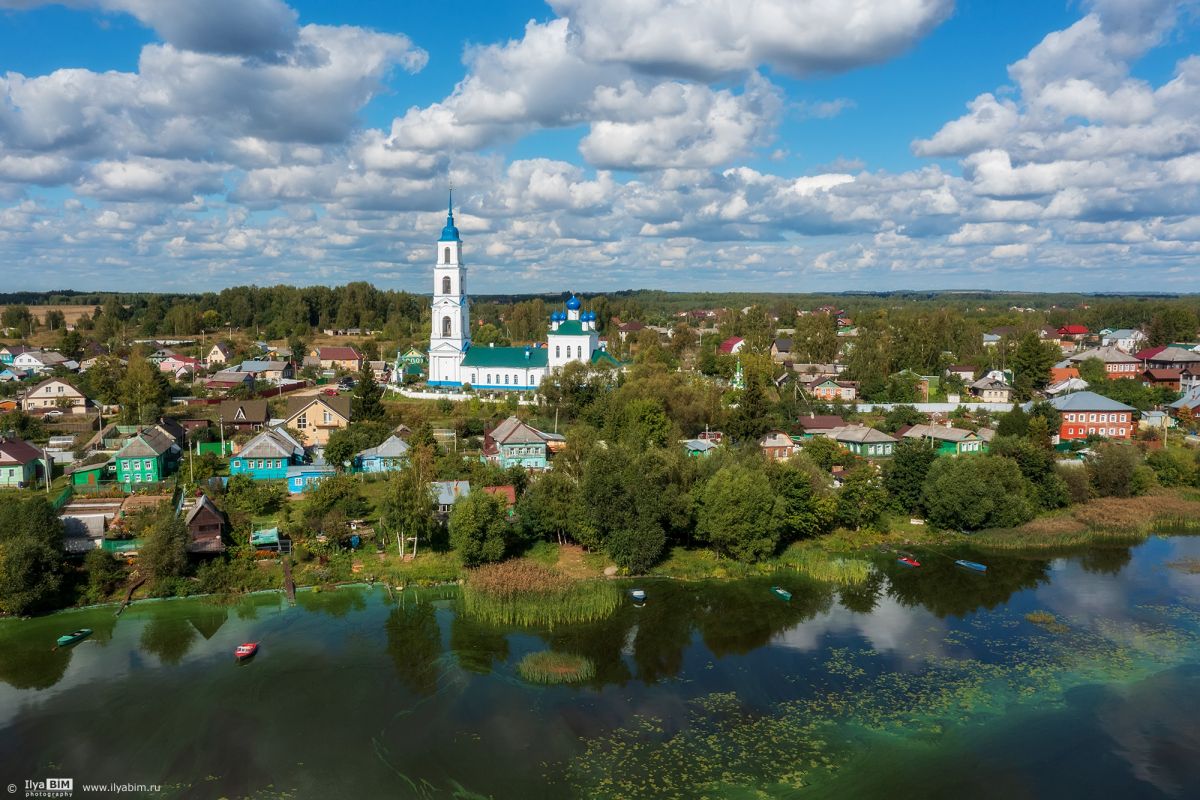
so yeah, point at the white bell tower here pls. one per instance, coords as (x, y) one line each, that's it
(450, 335)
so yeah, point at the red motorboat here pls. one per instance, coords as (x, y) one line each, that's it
(908, 561)
(246, 650)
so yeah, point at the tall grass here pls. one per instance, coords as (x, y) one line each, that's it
(822, 566)
(1107, 520)
(547, 666)
(523, 592)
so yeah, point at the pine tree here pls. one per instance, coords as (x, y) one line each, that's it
(366, 401)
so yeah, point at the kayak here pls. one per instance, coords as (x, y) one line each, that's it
(245, 650)
(972, 565)
(908, 561)
(781, 593)
(74, 636)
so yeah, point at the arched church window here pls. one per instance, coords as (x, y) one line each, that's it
(557, 351)
(445, 255)
(489, 378)
(446, 285)
(446, 326)
(506, 380)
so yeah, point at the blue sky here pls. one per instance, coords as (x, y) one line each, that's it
(783, 145)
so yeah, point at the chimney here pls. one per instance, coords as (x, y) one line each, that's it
(491, 344)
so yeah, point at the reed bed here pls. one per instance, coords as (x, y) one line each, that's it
(523, 592)
(1109, 520)
(1045, 619)
(549, 667)
(827, 568)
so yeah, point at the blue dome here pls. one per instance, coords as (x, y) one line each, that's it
(573, 304)
(587, 316)
(450, 232)
(557, 316)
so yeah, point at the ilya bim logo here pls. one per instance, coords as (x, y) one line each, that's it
(50, 787)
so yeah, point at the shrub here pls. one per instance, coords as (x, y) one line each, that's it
(977, 492)
(1077, 482)
(1112, 468)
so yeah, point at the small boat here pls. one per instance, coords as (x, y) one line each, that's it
(74, 636)
(908, 561)
(639, 596)
(972, 565)
(246, 650)
(781, 593)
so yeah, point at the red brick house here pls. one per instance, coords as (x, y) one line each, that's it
(1087, 414)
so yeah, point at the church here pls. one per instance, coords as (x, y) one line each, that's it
(454, 363)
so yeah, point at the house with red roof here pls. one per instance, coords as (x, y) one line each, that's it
(346, 358)
(1073, 331)
(1163, 378)
(732, 345)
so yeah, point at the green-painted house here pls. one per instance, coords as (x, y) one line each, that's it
(864, 441)
(947, 440)
(512, 443)
(150, 456)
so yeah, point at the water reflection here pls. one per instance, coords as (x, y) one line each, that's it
(168, 637)
(414, 642)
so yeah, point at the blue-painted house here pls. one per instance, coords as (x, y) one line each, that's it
(389, 456)
(302, 477)
(512, 443)
(267, 456)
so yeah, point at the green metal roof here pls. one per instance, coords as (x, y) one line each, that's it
(571, 327)
(603, 355)
(509, 357)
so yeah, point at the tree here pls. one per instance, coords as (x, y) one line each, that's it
(163, 554)
(345, 443)
(904, 476)
(55, 319)
(1092, 370)
(407, 507)
(143, 391)
(738, 513)
(18, 317)
(977, 492)
(546, 509)
(103, 381)
(209, 321)
(479, 528)
(1036, 463)
(1031, 365)
(488, 334)
(862, 499)
(749, 420)
(30, 554)
(815, 340)
(105, 572)
(366, 401)
(803, 511)
(899, 416)
(824, 452)
(1013, 423)
(1112, 469)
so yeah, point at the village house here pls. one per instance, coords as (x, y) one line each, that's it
(267, 456)
(820, 424)
(388, 456)
(40, 361)
(991, 390)
(54, 393)
(269, 371)
(219, 354)
(864, 441)
(1126, 339)
(627, 329)
(8, 353)
(777, 446)
(316, 417)
(179, 367)
(830, 389)
(1163, 378)
(1190, 401)
(513, 443)
(149, 456)
(698, 447)
(1118, 364)
(507, 493)
(343, 358)
(1087, 414)
(1189, 378)
(381, 371)
(205, 523)
(966, 372)
(303, 477)
(12, 375)
(732, 345)
(244, 415)
(21, 464)
(229, 379)
(1072, 333)
(1173, 358)
(446, 493)
(946, 439)
(781, 350)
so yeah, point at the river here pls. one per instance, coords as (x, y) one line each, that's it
(921, 683)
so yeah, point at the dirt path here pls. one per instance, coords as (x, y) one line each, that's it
(571, 562)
